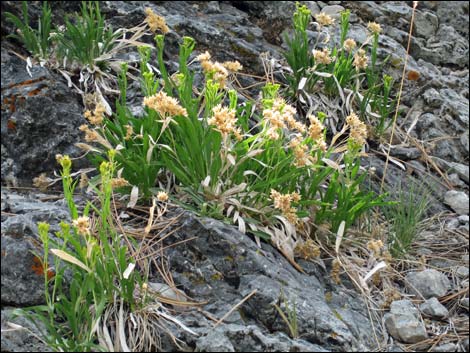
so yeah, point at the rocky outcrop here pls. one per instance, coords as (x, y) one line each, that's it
(222, 266)
(215, 264)
(40, 118)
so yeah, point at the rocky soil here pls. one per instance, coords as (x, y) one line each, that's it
(216, 265)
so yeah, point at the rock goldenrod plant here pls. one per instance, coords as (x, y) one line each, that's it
(340, 68)
(97, 295)
(37, 41)
(86, 38)
(261, 168)
(95, 292)
(84, 49)
(345, 189)
(91, 271)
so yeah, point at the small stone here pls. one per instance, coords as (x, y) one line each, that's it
(426, 24)
(446, 347)
(403, 307)
(458, 201)
(461, 170)
(462, 272)
(429, 283)
(405, 153)
(464, 219)
(434, 308)
(454, 179)
(403, 322)
(452, 223)
(464, 302)
(443, 264)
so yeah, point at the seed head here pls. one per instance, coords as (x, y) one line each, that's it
(374, 27)
(349, 45)
(83, 225)
(90, 135)
(224, 119)
(307, 250)
(155, 22)
(162, 196)
(283, 203)
(129, 132)
(324, 20)
(42, 182)
(323, 56)
(206, 56)
(233, 66)
(375, 246)
(165, 105)
(357, 130)
(96, 118)
(118, 182)
(360, 60)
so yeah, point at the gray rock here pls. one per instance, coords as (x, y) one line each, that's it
(428, 283)
(464, 219)
(22, 280)
(462, 272)
(458, 201)
(244, 338)
(44, 117)
(446, 347)
(446, 47)
(443, 264)
(464, 302)
(405, 153)
(434, 308)
(426, 24)
(223, 266)
(213, 7)
(313, 7)
(403, 322)
(464, 141)
(214, 341)
(454, 14)
(456, 105)
(17, 339)
(455, 181)
(461, 169)
(404, 307)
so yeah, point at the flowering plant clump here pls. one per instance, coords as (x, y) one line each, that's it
(271, 177)
(345, 65)
(255, 164)
(101, 268)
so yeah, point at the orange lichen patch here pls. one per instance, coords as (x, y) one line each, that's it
(38, 268)
(25, 83)
(36, 91)
(9, 103)
(15, 96)
(413, 75)
(11, 125)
